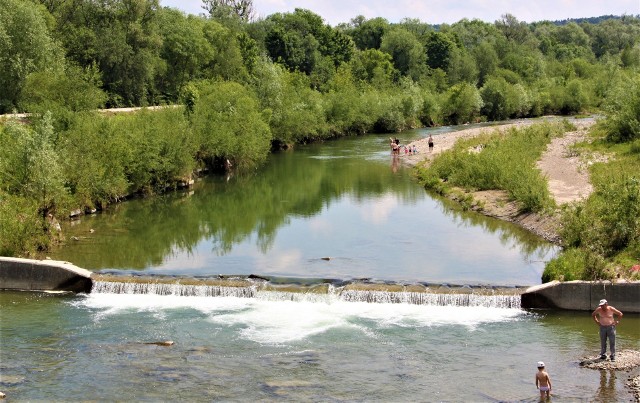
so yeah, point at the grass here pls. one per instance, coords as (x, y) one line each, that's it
(600, 235)
(506, 160)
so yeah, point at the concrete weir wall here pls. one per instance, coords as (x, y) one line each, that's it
(42, 275)
(583, 295)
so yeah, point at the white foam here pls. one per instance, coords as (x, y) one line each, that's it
(274, 322)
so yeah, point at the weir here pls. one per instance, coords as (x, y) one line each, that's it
(415, 294)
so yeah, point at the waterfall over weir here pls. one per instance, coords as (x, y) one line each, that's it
(414, 294)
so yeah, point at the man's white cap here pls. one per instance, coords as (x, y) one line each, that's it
(540, 364)
(602, 302)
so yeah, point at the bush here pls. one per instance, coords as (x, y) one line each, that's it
(506, 161)
(576, 264)
(622, 109)
(22, 230)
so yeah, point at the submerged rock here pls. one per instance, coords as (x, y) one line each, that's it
(165, 343)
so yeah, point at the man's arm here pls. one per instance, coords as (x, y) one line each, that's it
(617, 312)
(549, 381)
(595, 315)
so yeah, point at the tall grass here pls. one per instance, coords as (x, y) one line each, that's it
(503, 160)
(602, 233)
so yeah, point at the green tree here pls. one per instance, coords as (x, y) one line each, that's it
(25, 47)
(373, 66)
(367, 34)
(229, 125)
(622, 109)
(439, 48)
(122, 38)
(227, 62)
(463, 104)
(31, 166)
(241, 9)
(462, 67)
(486, 60)
(514, 30)
(71, 89)
(406, 51)
(185, 51)
(300, 41)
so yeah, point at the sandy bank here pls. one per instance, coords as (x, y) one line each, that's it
(566, 172)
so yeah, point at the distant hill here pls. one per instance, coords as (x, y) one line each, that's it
(593, 20)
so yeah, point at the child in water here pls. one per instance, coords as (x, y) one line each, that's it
(543, 382)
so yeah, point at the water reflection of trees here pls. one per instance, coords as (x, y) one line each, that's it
(530, 246)
(142, 233)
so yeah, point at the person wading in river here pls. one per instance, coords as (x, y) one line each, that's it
(604, 316)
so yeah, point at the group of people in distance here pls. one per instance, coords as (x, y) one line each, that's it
(605, 317)
(396, 148)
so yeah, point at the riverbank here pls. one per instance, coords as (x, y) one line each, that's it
(567, 175)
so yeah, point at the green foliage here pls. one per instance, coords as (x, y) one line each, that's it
(367, 34)
(623, 112)
(609, 222)
(502, 100)
(96, 154)
(227, 61)
(31, 167)
(122, 38)
(406, 51)
(62, 93)
(185, 51)
(439, 48)
(25, 47)
(576, 264)
(22, 230)
(241, 9)
(506, 161)
(228, 124)
(462, 104)
(373, 67)
(300, 40)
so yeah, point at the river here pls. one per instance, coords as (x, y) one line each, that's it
(324, 213)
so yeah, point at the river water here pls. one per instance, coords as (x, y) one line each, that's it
(324, 213)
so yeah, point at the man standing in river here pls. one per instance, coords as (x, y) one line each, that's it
(604, 316)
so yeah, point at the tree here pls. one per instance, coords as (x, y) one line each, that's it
(227, 61)
(122, 38)
(513, 30)
(367, 34)
(25, 47)
(32, 167)
(71, 89)
(300, 40)
(486, 60)
(241, 9)
(439, 48)
(462, 67)
(185, 51)
(406, 51)
(229, 124)
(372, 66)
(463, 103)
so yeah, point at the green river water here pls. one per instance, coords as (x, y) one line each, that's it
(332, 212)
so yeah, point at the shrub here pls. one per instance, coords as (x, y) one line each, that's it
(576, 264)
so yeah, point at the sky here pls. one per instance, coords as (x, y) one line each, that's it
(335, 12)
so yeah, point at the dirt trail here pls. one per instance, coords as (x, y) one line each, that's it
(566, 172)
